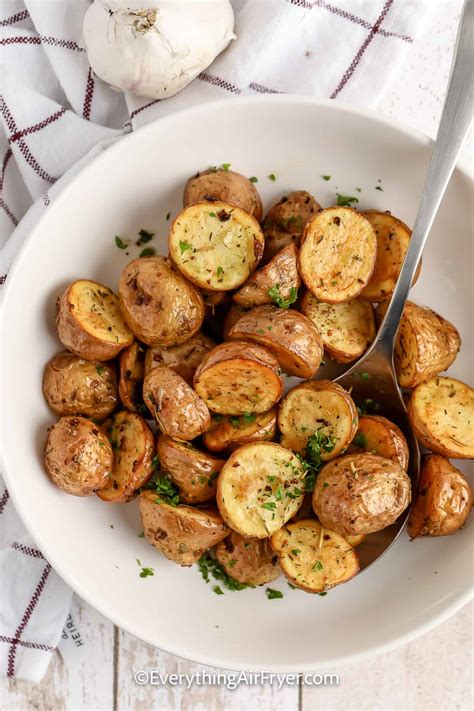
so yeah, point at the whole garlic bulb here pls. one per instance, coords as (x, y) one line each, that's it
(156, 48)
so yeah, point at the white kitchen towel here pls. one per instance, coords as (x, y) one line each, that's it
(55, 115)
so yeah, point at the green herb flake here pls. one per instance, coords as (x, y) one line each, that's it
(219, 272)
(141, 535)
(269, 505)
(293, 587)
(365, 376)
(100, 369)
(378, 187)
(144, 236)
(209, 566)
(183, 246)
(317, 444)
(360, 440)
(212, 214)
(326, 177)
(272, 177)
(167, 492)
(248, 418)
(226, 166)
(275, 295)
(120, 243)
(217, 590)
(318, 565)
(253, 179)
(273, 594)
(345, 200)
(295, 551)
(147, 252)
(322, 594)
(325, 485)
(146, 572)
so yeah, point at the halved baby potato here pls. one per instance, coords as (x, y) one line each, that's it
(426, 344)
(317, 406)
(76, 386)
(360, 494)
(184, 358)
(443, 502)
(238, 378)
(337, 254)
(133, 444)
(132, 374)
(228, 433)
(355, 540)
(195, 472)
(347, 329)
(441, 412)
(393, 238)
(89, 322)
(224, 185)
(78, 457)
(232, 316)
(181, 533)
(215, 245)
(160, 307)
(250, 561)
(314, 558)
(178, 411)
(377, 435)
(279, 277)
(292, 338)
(285, 221)
(260, 487)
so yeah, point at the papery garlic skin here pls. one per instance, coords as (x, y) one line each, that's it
(156, 48)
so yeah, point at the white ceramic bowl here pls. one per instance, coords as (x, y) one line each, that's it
(94, 545)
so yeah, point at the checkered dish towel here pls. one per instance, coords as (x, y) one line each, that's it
(55, 115)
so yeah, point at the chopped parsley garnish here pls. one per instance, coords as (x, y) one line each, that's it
(318, 565)
(212, 214)
(218, 418)
(365, 376)
(226, 166)
(270, 505)
(253, 179)
(141, 535)
(120, 243)
(275, 295)
(167, 492)
(322, 594)
(317, 444)
(147, 252)
(217, 590)
(146, 572)
(210, 566)
(293, 587)
(100, 369)
(144, 236)
(378, 187)
(248, 418)
(360, 440)
(273, 594)
(326, 177)
(272, 177)
(183, 246)
(219, 272)
(368, 405)
(345, 200)
(295, 551)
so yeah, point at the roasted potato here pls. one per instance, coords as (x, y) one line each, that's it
(181, 533)
(160, 307)
(360, 494)
(355, 540)
(78, 457)
(192, 470)
(441, 412)
(279, 279)
(225, 186)
(233, 314)
(238, 378)
(393, 238)
(426, 344)
(89, 322)
(292, 338)
(250, 561)
(377, 435)
(228, 433)
(314, 558)
(178, 411)
(337, 255)
(132, 373)
(76, 386)
(184, 359)
(216, 246)
(443, 502)
(346, 329)
(133, 445)
(285, 221)
(260, 487)
(318, 406)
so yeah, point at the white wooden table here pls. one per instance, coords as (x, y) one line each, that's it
(94, 665)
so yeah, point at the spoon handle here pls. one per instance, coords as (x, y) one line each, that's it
(455, 122)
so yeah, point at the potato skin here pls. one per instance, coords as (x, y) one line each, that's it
(82, 329)
(184, 358)
(76, 386)
(234, 313)
(360, 494)
(192, 470)
(228, 433)
(239, 377)
(158, 304)
(132, 373)
(291, 337)
(281, 270)
(248, 560)
(377, 435)
(441, 412)
(178, 411)
(181, 533)
(346, 329)
(285, 221)
(443, 502)
(225, 186)
(133, 444)
(426, 344)
(78, 457)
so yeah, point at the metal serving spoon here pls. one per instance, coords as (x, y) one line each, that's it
(373, 376)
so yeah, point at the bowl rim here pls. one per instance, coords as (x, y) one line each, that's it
(464, 167)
